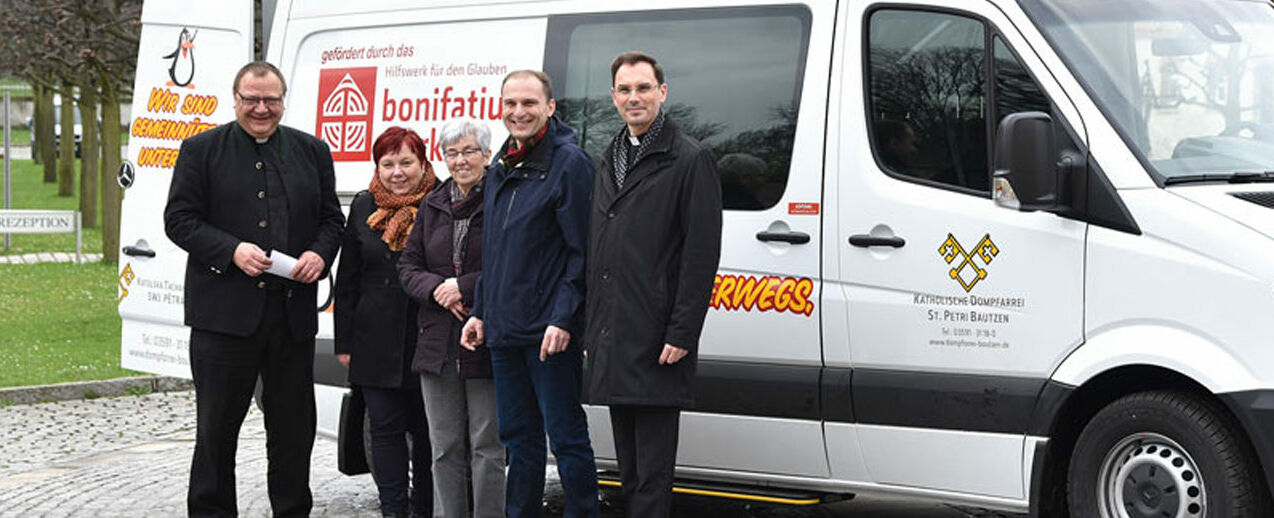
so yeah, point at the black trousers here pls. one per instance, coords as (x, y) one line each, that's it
(395, 414)
(225, 370)
(646, 447)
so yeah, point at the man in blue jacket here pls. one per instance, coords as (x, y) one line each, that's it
(529, 303)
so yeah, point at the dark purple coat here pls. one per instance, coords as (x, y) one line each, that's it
(426, 263)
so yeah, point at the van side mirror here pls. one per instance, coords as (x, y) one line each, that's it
(1028, 170)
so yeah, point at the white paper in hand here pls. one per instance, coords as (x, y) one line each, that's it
(283, 264)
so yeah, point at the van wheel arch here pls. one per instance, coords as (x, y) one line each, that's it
(1162, 453)
(1063, 428)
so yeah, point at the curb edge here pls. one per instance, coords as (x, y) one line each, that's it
(92, 389)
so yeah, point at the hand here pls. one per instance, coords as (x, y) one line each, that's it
(458, 310)
(471, 336)
(447, 294)
(555, 341)
(343, 358)
(251, 259)
(672, 354)
(308, 268)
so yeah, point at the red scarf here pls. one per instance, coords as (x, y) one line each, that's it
(396, 213)
(517, 153)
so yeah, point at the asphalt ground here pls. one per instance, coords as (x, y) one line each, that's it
(130, 456)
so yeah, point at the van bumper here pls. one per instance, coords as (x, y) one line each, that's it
(1255, 411)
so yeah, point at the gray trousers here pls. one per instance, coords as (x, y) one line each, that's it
(457, 410)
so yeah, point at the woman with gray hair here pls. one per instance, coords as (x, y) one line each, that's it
(439, 269)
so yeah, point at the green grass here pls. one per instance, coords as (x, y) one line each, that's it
(16, 87)
(30, 192)
(18, 137)
(137, 390)
(60, 323)
(22, 137)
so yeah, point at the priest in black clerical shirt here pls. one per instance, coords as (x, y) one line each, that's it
(241, 194)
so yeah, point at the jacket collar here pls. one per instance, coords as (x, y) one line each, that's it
(440, 197)
(644, 167)
(538, 160)
(277, 140)
(274, 138)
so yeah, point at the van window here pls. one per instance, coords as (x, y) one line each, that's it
(928, 96)
(1015, 89)
(1188, 85)
(734, 80)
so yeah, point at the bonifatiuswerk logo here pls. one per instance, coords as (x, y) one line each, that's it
(964, 265)
(345, 112)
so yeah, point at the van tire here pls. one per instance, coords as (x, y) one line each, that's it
(1154, 453)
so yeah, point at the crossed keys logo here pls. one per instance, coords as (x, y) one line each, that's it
(125, 280)
(965, 269)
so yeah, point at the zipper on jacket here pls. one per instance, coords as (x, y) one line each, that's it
(509, 211)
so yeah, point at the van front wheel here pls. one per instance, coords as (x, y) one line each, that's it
(1163, 453)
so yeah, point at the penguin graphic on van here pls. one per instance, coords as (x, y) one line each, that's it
(182, 70)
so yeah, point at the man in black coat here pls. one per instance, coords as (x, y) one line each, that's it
(654, 243)
(238, 191)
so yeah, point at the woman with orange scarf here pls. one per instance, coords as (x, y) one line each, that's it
(376, 321)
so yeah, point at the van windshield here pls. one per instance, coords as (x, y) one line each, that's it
(1188, 83)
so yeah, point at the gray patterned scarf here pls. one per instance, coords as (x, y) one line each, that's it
(623, 157)
(462, 209)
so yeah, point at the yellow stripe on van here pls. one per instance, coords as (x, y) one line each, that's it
(729, 495)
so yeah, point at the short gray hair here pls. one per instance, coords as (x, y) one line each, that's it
(457, 129)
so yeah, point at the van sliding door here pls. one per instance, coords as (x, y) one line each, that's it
(749, 83)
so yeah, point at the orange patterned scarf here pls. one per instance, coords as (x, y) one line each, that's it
(396, 213)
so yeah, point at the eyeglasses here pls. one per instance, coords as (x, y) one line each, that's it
(272, 103)
(468, 152)
(642, 89)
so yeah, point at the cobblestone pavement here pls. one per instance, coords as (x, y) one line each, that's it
(130, 456)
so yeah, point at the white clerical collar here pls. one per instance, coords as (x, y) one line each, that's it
(634, 140)
(262, 140)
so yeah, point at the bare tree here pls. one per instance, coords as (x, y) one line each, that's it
(26, 25)
(89, 45)
(115, 26)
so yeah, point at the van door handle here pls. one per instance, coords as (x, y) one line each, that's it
(865, 240)
(138, 251)
(796, 238)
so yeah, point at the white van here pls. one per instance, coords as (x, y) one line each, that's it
(1011, 254)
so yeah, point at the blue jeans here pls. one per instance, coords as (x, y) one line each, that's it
(532, 396)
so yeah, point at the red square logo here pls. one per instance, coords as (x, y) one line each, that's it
(345, 110)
